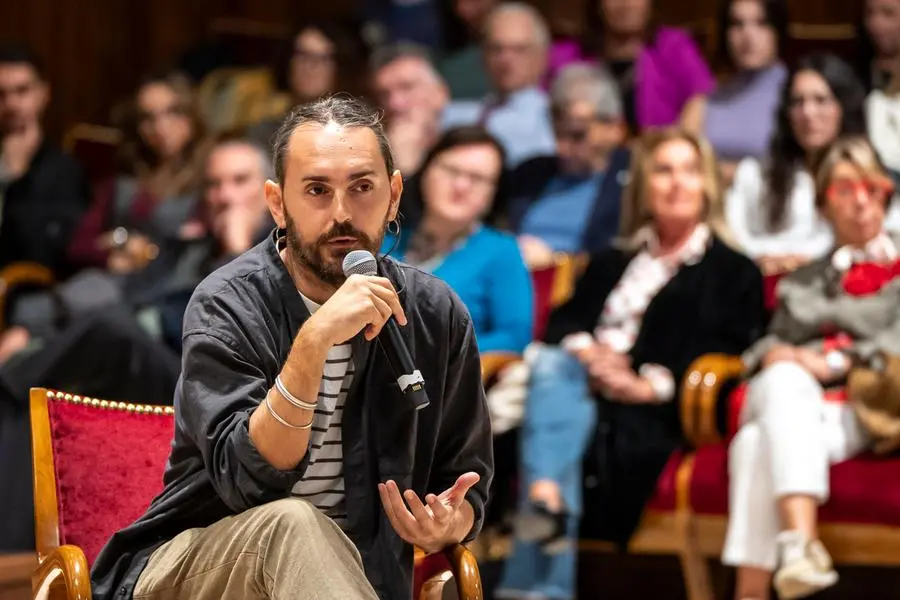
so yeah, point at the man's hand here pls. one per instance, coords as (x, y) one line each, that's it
(815, 363)
(536, 253)
(446, 519)
(360, 303)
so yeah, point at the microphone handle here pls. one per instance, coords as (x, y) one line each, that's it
(409, 379)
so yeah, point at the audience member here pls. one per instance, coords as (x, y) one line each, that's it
(233, 217)
(413, 97)
(880, 38)
(570, 202)
(157, 189)
(605, 387)
(791, 432)
(883, 124)
(43, 192)
(319, 54)
(738, 118)
(463, 69)
(459, 183)
(771, 204)
(659, 69)
(516, 39)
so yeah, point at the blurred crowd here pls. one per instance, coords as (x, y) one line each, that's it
(685, 184)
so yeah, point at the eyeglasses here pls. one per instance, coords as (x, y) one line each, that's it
(476, 179)
(850, 189)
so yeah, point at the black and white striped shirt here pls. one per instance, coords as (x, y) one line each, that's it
(323, 481)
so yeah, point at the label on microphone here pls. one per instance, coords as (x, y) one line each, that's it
(411, 381)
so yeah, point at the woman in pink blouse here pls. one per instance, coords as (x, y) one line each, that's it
(659, 69)
(604, 388)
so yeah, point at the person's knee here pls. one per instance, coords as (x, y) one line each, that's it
(554, 362)
(783, 386)
(290, 514)
(744, 447)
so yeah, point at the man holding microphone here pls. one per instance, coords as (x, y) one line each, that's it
(299, 468)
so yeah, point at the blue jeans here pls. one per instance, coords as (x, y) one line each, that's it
(560, 417)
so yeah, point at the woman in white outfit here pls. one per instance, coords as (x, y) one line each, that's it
(790, 433)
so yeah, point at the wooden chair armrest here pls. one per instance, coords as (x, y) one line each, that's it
(17, 274)
(68, 565)
(465, 572)
(493, 362)
(700, 391)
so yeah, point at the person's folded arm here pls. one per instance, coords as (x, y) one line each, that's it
(218, 392)
(511, 304)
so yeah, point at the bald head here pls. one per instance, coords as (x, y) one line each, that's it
(516, 40)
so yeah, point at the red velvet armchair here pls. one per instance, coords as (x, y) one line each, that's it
(97, 466)
(860, 524)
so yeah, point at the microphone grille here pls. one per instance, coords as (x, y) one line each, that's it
(360, 262)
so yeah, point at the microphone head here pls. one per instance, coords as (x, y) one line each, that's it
(360, 262)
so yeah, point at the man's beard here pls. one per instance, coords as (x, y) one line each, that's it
(326, 264)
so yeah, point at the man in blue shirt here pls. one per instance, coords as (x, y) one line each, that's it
(570, 202)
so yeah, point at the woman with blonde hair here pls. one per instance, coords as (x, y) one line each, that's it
(832, 314)
(604, 388)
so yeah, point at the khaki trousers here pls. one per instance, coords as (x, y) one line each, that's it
(285, 549)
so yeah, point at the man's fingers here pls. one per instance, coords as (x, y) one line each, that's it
(423, 517)
(438, 508)
(457, 493)
(385, 290)
(401, 519)
(380, 313)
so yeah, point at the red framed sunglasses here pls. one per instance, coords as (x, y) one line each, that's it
(848, 189)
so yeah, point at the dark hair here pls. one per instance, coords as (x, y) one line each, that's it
(20, 54)
(776, 17)
(341, 109)
(595, 27)
(345, 50)
(137, 159)
(785, 154)
(456, 137)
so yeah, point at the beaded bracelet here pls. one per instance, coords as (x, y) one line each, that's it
(282, 421)
(296, 402)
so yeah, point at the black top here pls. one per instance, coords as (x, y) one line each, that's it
(238, 330)
(624, 73)
(713, 305)
(41, 209)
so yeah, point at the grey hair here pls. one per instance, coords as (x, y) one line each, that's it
(385, 55)
(341, 109)
(262, 153)
(583, 82)
(541, 30)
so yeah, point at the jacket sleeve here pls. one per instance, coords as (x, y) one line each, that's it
(218, 391)
(464, 439)
(580, 312)
(510, 298)
(740, 321)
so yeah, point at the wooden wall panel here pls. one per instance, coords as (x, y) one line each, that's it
(95, 51)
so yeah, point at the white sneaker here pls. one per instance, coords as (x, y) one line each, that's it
(806, 567)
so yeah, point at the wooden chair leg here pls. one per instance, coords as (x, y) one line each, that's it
(695, 569)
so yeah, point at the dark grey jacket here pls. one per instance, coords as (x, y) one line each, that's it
(238, 329)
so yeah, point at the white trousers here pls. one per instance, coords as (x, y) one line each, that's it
(789, 437)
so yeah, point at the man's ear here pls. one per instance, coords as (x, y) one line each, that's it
(396, 193)
(275, 201)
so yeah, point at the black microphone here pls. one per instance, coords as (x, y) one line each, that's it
(362, 262)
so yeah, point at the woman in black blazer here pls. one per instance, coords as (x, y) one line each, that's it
(604, 389)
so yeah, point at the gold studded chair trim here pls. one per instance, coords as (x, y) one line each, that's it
(148, 409)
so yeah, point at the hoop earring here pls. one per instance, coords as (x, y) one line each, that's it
(395, 231)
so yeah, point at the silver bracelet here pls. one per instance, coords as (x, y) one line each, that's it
(284, 422)
(296, 402)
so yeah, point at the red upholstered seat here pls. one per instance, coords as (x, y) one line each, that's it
(865, 489)
(109, 463)
(664, 497)
(542, 282)
(109, 466)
